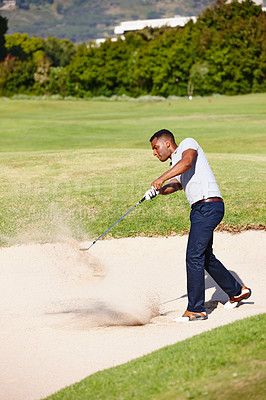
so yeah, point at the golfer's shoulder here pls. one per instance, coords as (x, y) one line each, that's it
(189, 143)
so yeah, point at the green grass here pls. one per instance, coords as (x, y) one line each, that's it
(75, 167)
(222, 124)
(224, 363)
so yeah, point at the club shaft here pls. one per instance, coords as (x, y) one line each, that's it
(104, 233)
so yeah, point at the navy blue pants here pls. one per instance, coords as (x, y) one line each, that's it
(204, 218)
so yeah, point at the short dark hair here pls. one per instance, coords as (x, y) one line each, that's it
(162, 132)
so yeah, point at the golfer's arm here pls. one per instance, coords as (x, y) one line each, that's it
(186, 162)
(181, 166)
(171, 187)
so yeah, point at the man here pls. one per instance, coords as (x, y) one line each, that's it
(191, 172)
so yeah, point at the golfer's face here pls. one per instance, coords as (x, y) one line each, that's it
(160, 149)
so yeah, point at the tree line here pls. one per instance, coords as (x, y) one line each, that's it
(224, 52)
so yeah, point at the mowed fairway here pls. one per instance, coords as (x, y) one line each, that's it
(75, 167)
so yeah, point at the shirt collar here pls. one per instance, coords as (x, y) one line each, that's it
(172, 156)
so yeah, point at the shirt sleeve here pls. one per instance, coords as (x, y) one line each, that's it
(186, 144)
(189, 143)
(177, 177)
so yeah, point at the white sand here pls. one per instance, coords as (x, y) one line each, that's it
(65, 315)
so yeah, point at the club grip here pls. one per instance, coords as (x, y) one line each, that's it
(143, 198)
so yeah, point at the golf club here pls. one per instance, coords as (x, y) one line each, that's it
(143, 198)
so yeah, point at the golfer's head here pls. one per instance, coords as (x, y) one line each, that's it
(163, 144)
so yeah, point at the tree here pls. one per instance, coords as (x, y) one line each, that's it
(58, 51)
(16, 76)
(197, 76)
(3, 30)
(224, 51)
(24, 47)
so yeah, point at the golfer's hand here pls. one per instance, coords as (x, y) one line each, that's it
(151, 193)
(157, 184)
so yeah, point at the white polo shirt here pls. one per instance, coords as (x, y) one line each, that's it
(198, 181)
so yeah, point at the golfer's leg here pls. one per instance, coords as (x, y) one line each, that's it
(199, 237)
(220, 274)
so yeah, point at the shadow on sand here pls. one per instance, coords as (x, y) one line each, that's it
(219, 296)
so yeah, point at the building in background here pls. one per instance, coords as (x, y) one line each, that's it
(132, 26)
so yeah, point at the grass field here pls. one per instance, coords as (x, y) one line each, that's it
(224, 363)
(75, 167)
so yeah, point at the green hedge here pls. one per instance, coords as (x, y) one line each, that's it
(223, 52)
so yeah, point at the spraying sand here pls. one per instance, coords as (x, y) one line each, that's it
(66, 314)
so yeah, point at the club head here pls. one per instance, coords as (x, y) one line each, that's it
(87, 248)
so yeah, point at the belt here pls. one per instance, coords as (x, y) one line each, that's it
(210, 199)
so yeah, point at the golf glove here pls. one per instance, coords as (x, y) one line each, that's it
(151, 193)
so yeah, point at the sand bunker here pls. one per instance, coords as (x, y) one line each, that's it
(66, 314)
(60, 280)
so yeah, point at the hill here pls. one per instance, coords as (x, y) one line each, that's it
(81, 20)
